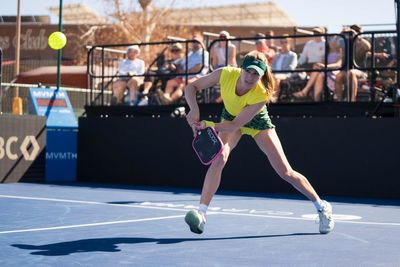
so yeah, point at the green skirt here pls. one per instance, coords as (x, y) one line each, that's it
(260, 122)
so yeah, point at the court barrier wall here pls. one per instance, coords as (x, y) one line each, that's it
(22, 148)
(355, 157)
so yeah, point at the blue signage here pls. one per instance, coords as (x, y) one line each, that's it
(61, 132)
(55, 105)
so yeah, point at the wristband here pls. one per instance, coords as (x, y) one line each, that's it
(209, 124)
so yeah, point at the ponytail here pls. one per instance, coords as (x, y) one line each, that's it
(269, 82)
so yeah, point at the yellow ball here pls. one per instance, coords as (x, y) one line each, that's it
(57, 40)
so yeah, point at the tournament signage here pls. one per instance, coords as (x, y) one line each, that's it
(61, 132)
(10, 148)
(55, 105)
(22, 141)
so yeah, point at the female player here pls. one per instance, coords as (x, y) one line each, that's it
(245, 92)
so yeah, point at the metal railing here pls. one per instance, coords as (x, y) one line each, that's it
(103, 70)
(102, 64)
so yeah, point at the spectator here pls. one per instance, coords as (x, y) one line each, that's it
(197, 62)
(316, 81)
(218, 52)
(284, 60)
(261, 46)
(361, 47)
(358, 51)
(362, 50)
(129, 67)
(271, 42)
(314, 50)
(169, 66)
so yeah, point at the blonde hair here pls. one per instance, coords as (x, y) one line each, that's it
(267, 79)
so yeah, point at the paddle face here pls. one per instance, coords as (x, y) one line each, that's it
(207, 145)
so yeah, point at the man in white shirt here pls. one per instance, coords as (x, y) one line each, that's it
(313, 51)
(130, 66)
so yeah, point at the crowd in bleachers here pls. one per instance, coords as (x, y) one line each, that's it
(322, 67)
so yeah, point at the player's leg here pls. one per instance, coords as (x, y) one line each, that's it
(268, 141)
(196, 218)
(213, 176)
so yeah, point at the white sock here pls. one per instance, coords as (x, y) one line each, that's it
(318, 204)
(203, 209)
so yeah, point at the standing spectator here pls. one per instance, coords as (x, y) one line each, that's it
(219, 52)
(314, 50)
(197, 61)
(284, 60)
(262, 46)
(130, 66)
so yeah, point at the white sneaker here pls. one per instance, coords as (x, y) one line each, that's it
(196, 221)
(326, 223)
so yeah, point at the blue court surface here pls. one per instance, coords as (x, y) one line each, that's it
(103, 225)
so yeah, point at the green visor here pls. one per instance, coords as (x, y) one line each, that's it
(255, 64)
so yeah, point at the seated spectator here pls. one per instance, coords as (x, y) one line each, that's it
(130, 66)
(313, 51)
(363, 53)
(166, 66)
(284, 60)
(349, 78)
(316, 81)
(271, 42)
(218, 52)
(173, 64)
(262, 46)
(196, 63)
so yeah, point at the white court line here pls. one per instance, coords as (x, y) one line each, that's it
(354, 238)
(182, 209)
(89, 202)
(306, 219)
(90, 224)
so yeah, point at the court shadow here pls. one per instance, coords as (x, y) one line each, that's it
(111, 244)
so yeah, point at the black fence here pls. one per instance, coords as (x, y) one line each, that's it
(379, 84)
(103, 70)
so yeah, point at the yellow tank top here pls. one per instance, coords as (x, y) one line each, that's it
(233, 103)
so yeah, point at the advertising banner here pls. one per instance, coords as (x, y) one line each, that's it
(22, 146)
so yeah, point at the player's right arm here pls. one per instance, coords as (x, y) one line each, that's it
(204, 82)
